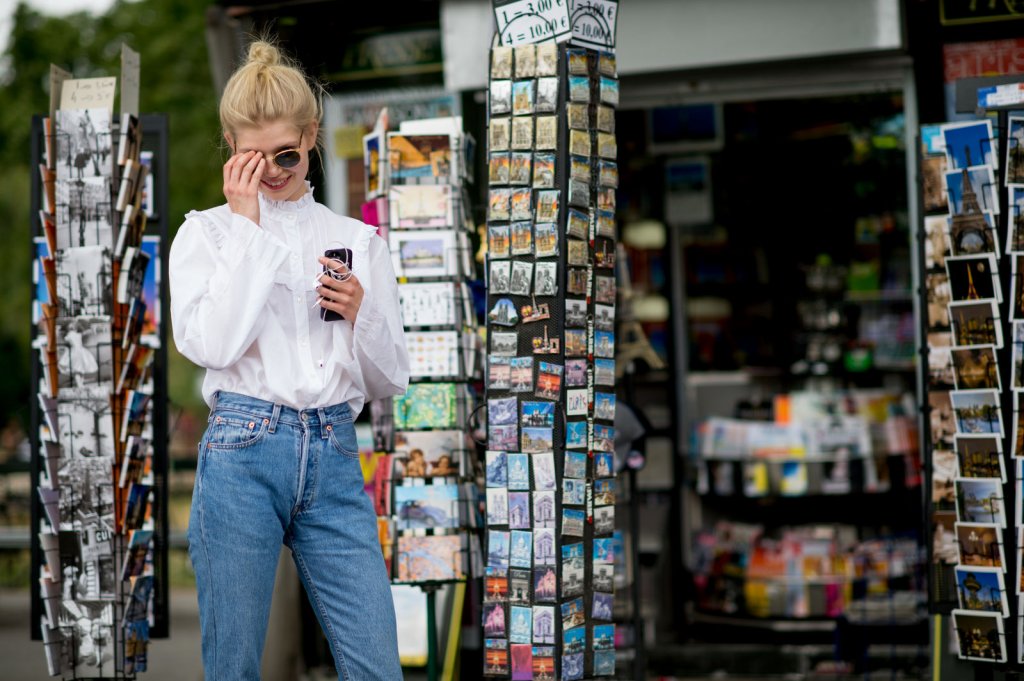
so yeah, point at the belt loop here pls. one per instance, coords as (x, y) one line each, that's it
(274, 417)
(324, 425)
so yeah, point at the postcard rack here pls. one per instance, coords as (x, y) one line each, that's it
(972, 191)
(98, 433)
(550, 467)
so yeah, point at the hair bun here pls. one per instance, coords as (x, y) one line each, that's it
(262, 52)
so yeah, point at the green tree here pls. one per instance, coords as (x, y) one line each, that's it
(175, 79)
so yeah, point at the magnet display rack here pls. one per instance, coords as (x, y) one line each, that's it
(115, 652)
(553, 419)
(974, 571)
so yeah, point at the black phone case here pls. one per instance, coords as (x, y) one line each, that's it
(345, 256)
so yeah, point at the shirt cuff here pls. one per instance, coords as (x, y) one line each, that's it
(369, 319)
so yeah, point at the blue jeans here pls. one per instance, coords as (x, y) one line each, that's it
(269, 474)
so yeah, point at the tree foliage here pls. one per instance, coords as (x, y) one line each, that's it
(175, 79)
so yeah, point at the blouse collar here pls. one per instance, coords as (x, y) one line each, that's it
(283, 205)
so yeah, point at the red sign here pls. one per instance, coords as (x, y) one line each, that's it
(984, 58)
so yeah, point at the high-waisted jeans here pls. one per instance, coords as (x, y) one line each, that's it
(269, 474)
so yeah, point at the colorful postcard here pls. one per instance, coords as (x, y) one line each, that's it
(544, 507)
(426, 506)
(428, 559)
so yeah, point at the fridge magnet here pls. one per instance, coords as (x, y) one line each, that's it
(522, 374)
(522, 238)
(522, 132)
(522, 277)
(577, 57)
(545, 344)
(500, 133)
(576, 281)
(576, 434)
(578, 114)
(500, 273)
(575, 373)
(499, 205)
(575, 313)
(501, 97)
(503, 313)
(521, 208)
(549, 380)
(526, 61)
(522, 97)
(547, 205)
(579, 142)
(498, 168)
(604, 317)
(547, 58)
(546, 279)
(577, 224)
(519, 168)
(501, 62)
(547, 95)
(547, 132)
(576, 402)
(543, 170)
(499, 373)
(577, 252)
(579, 193)
(545, 239)
(606, 119)
(498, 241)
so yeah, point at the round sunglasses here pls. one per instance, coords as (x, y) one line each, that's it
(288, 158)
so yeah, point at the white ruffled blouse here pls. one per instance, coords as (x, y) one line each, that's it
(243, 306)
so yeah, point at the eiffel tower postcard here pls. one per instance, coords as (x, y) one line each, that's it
(973, 277)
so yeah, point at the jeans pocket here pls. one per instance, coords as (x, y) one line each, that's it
(343, 439)
(235, 431)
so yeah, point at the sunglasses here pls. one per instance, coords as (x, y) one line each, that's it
(288, 158)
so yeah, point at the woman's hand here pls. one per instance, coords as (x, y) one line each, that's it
(343, 295)
(242, 175)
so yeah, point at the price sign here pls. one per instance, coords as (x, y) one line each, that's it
(521, 22)
(88, 93)
(593, 23)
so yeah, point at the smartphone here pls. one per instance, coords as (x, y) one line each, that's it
(345, 256)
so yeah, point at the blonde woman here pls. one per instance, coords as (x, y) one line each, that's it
(278, 461)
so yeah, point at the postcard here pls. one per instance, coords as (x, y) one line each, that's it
(604, 441)
(579, 193)
(604, 637)
(499, 372)
(502, 411)
(980, 588)
(497, 506)
(498, 168)
(576, 281)
(572, 667)
(975, 322)
(504, 343)
(604, 461)
(500, 133)
(609, 91)
(494, 619)
(573, 613)
(537, 439)
(579, 142)
(496, 468)
(604, 317)
(495, 585)
(549, 380)
(604, 492)
(426, 506)
(975, 368)
(500, 275)
(579, 89)
(501, 62)
(424, 253)
(1017, 286)
(500, 205)
(519, 172)
(970, 143)
(936, 242)
(573, 492)
(523, 92)
(543, 170)
(575, 343)
(521, 628)
(608, 174)
(544, 501)
(577, 224)
(977, 412)
(1014, 149)
(607, 148)
(496, 649)
(577, 252)
(547, 132)
(604, 344)
(578, 115)
(606, 223)
(572, 570)
(573, 521)
(544, 546)
(979, 456)
(543, 625)
(521, 552)
(576, 434)
(604, 520)
(980, 635)
(427, 304)
(606, 119)
(604, 371)
(545, 241)
(980, 545)
(522, 277)
(501, 97)
(575, 313)
(576, 400)
(522, 661)
(574, 640)
(575, 465)
(497, 548)
(544, 585)
(545, 281)
(420, 159)
(577, 57)
(518, 471)
(547, 95)
(604, 406)
(498, 241)
(522, 132)
(980, 500)
(972, 189)
(606, 64)
(505, 438)
(519, 586)
(544, 479)
(519, 510)
(547, 205)
(604, 289)
(425, 454)
(526, 60)
(433, 353)
(522, 238)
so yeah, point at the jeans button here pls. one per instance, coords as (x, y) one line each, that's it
(305, 417)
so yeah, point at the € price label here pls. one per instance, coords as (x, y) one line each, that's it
(521, 22)
(593, 23)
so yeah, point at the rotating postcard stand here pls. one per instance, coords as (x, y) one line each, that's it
(972, 184)
(424, 490)
(549, 470)
(99, 424)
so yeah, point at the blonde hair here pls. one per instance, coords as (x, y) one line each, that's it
(270, 87)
